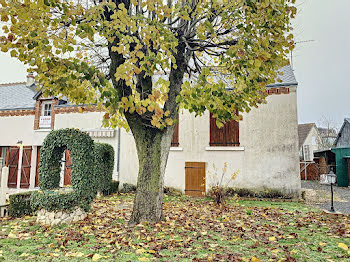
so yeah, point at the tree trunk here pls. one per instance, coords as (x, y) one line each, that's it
(153, 147)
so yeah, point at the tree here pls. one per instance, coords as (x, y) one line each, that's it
(328, 131)
(142, 60)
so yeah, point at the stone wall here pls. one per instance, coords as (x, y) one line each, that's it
(60, 217)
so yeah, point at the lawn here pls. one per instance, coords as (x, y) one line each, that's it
(194, 229)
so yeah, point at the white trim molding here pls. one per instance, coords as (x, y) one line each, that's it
(176, 148)
(224, 148)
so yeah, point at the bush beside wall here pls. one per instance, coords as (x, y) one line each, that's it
(128, 188)
(267, 193)
(20, 204)
(114, 186)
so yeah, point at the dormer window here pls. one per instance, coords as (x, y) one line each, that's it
(46, 112)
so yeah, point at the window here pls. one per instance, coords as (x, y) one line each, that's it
(314, 141)
(4, 150)
(228, 135)
(45, 118)
(46, 109)
(175, 140)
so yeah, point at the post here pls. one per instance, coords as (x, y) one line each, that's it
(332, 206)
(3, 185)
(305, 171)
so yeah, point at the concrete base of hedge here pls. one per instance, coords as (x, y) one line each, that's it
(60, 217)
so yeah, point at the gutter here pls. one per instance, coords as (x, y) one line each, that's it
(118, 153)
(19, 108)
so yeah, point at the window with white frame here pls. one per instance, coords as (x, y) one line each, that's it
(46, 112)
(46, 109)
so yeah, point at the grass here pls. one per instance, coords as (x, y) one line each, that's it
(193, 230)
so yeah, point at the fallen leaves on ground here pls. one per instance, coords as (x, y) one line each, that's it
(194, 229)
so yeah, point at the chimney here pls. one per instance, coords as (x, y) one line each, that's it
(30, 79)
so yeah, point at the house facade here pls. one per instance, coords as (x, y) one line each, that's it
(261, 150)
(27, 118)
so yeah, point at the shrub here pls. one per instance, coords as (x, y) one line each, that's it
(217, 193)
(84, 184)
(114, 186)
(104, 164)
(56, 200)
(127, 188)
(170, 191)
(267, 193)
(218, 186)
(20, 204)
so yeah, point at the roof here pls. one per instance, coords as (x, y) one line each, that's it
(303, 132)
(17, 96)
(287, 76)
(346, 121)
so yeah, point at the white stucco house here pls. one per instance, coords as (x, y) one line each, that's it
(262, 149)
(310, 141)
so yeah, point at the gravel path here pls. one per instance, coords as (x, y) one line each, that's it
(343, 192)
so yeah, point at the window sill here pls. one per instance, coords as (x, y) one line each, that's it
(224, 148)
(43, 130)
(176, 148)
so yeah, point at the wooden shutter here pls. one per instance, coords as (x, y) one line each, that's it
(26, 166)
(217, 135)
(175, 140)
(37, 166)
(13, 167)
(67, 169)
(195, 179)
(228, 135)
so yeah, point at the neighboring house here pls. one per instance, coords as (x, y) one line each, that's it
(342, 154)
(262, 148)
(310, 141)
(343, 137)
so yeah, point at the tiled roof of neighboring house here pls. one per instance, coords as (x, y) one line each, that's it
(287, 76)
(303, 131)
(16, 96)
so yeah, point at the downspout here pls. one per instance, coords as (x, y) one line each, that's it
(118, 153)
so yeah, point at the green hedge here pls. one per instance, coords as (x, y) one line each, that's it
(57, 200)
(114, 186)
(128, 188)
(84, 182)
(20, 204)
(104, 164)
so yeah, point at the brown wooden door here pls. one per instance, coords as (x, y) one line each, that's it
(13, 167)
(67, 169)
(195, 179)
(37, 166)
(26, 166)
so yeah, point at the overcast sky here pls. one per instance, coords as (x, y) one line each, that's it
(321, 66)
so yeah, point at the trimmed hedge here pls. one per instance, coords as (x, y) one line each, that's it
(104, 164)
(57, 200)
(128, 188)
(20, 204)
(84, 183)
(114, 186)
(266, 193)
